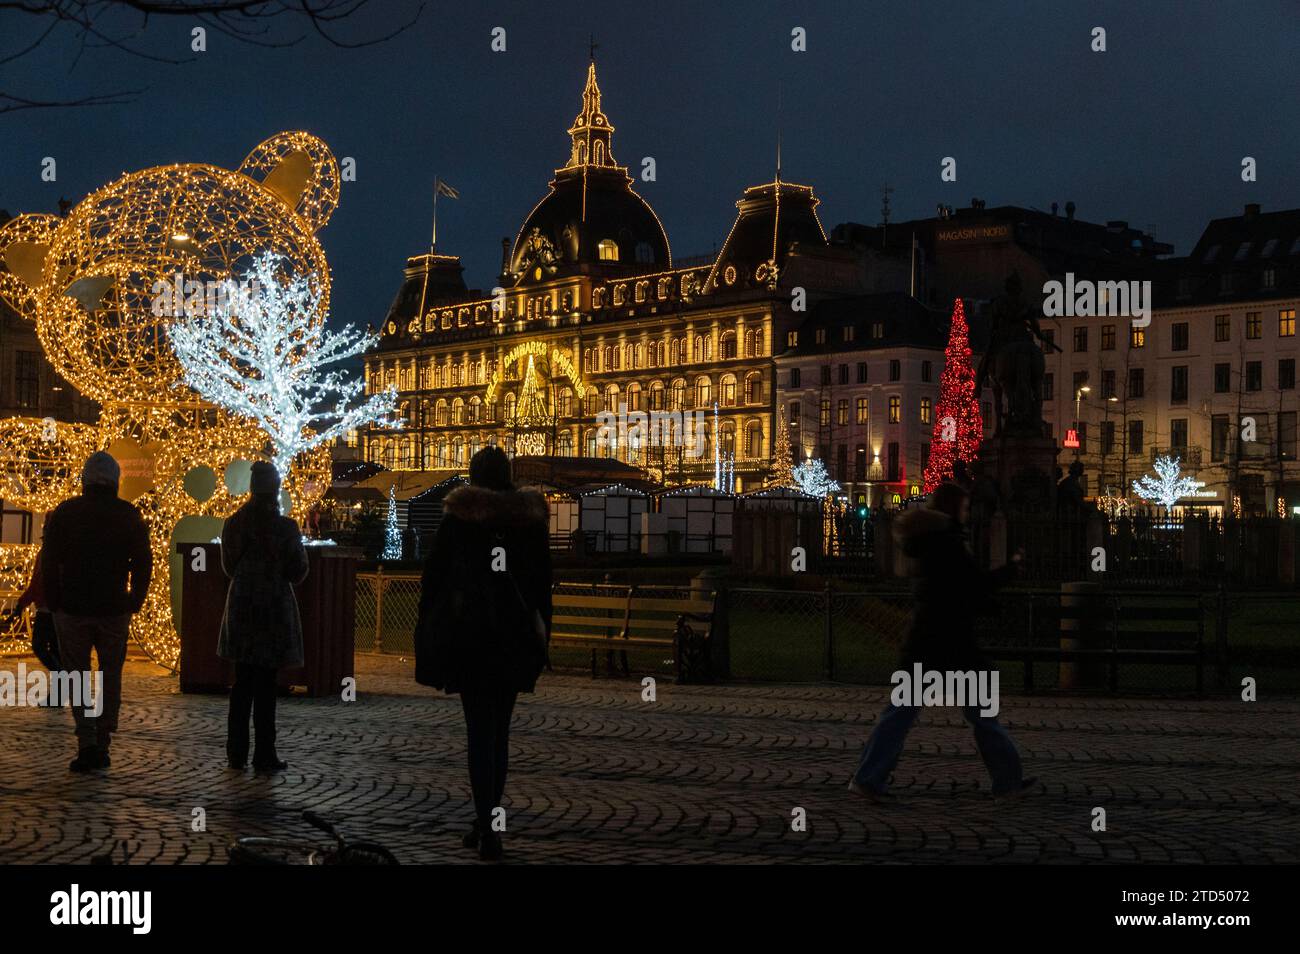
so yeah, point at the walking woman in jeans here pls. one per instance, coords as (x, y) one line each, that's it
(485, 620)
(262, 553)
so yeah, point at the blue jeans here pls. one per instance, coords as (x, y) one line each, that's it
(886, 745)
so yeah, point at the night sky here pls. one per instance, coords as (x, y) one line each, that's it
(1152, 131)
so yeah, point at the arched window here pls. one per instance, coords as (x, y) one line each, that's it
(645, 254)
(608, 250)
(598, 153)
(727, 390)
(675, 353)
(634, 397)
(677, 394)
(586, 360)
(727, 437)
(620, 294)
(582, 153)
(754, 440)
(642, 287)
(598, 298)
(457, 452)
(458, 411)
(438, 377)
(703, 391)
(632, 361)
(589, 442)
(727, 345)
(475, 410)
(564, 403)
(751, 345)
(607, 364)
(611, 398)
(427, 463)
(509, 407)
(698, 353)
(390, 455)
(564, 444)
(753, 388)
(474, 444)
(665, 284)
(657, 396)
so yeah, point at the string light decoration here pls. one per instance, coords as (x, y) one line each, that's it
(261, 357)
(812, 478)
(958, 427)
(782, 456)
(392, 535)
(104, 286)
(1168, 486)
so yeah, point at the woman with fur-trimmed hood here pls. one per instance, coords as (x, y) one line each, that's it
(485, 619)
(950, 590)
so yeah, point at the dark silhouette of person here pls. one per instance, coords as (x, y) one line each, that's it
(261, 632)
(950, 589)
(485, 620)
(95, 571)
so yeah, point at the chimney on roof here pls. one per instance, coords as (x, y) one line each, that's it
(1252, 210)
(1069, 211)
(1054, 208)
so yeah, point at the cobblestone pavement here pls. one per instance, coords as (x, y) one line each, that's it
(704, 774)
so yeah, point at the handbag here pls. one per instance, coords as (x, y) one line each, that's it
(45, 642)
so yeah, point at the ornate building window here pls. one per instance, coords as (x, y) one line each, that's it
(607, 249)
(620, 295)
(634, 397)
(727, 345)
(677, 394)
(727, 389)
(753, 388)
(564, 403)
(642, 287)
(508, 407)
(664, 287)
(703, 391)
(656, 396)
(754, 440)
(598, 298)
(458, 411)
(440, 413)
(611, 398)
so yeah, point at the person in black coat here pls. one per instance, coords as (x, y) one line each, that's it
(950, 590)
(485, 619)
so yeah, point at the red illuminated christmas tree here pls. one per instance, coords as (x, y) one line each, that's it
(957, 424)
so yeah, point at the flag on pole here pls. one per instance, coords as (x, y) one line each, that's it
(442, 188)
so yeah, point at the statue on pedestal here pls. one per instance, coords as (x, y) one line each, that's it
(1013, 363)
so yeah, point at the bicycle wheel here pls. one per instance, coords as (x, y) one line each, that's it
(273, 851)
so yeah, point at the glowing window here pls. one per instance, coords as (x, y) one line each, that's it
(608, 250)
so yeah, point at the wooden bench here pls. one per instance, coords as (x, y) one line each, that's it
(1127, 633)
(614, 621)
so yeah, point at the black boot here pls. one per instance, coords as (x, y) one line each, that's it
(471, 837)
(236, 755)
(268, 763)
(489, 847)
(87, 760)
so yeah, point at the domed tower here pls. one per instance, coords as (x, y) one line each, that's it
(591, 221)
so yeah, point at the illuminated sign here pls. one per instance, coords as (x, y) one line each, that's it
(1071, 438)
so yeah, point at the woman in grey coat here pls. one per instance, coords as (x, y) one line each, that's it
(261, 632)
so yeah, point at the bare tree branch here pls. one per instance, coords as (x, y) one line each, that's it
(253, 22)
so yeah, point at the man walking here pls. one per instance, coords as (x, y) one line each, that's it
(95, 566)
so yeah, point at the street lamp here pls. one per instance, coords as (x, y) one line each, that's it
(1104, 422)
(1078, 396)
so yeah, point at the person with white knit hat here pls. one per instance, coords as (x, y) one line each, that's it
(95, 568)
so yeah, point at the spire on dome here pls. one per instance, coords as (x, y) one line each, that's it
(591, 129)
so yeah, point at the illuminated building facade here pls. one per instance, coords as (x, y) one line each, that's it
(592, 314)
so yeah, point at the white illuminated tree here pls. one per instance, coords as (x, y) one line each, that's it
(811, 477)
(261, 353)
(1168, 486)
(392, 535)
